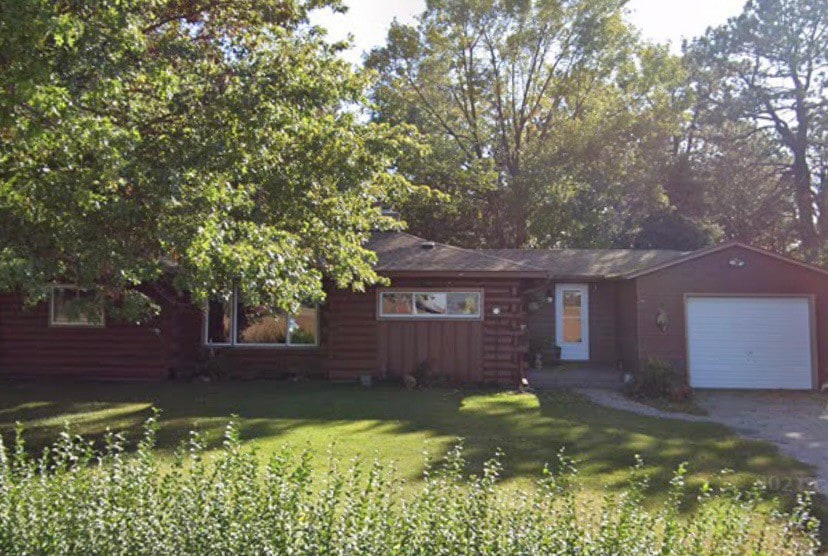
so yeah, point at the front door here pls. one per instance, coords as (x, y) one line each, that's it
(572, 321)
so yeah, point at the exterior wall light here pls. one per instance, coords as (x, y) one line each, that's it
(496, 310)
(736, 262)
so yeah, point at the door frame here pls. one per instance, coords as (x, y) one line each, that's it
(812, 322)
(583, 288)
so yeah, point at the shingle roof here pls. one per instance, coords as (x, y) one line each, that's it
(403, 252)
(399, 251)
(589, 263)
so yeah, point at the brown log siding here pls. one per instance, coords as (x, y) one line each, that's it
(30, 347)
(491, 350)
(353, 341)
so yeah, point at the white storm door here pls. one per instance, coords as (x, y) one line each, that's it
(572, 321)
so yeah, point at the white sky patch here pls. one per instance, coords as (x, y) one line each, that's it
(663, 21)
(670, 21)
(368, 21)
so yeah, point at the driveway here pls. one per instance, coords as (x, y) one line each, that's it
(797, 422)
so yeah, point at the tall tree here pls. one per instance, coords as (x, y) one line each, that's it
(536, 111)
(748, 194)
(141, 135)
(771, 63)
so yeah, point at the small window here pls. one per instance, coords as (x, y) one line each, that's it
(233, 323)
(464, 303)
(429, 305)
(70, 306)
(394, 303)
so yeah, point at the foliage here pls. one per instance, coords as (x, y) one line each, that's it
(768, 69)
(426, 375)
(302, 336)
(736, 183)
(75, 501)
(548, 122)
(657, 380)
(212, 139)
(672, 230)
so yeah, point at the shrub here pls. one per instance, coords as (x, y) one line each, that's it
(657, 380)
(425, 375)
(74, 501)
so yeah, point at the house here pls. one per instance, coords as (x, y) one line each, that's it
(729, 316)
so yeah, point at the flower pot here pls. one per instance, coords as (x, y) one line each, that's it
(556, 353)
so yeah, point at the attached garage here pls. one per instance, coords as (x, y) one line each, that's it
(731, 316)
(759, 342)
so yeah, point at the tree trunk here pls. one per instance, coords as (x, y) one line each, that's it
(805, 205)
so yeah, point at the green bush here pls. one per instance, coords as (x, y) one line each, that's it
(74, 501)
(656, 380)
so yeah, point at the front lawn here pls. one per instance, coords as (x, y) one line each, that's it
(394, 424)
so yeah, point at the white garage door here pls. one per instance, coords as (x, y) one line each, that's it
(749, 342)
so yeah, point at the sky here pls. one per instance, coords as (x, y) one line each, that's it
(659, 20)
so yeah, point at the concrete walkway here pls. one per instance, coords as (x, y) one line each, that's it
(576, 376)
(616, 400)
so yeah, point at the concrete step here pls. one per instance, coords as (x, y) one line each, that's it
(579, 377)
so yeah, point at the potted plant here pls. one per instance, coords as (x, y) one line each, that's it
(543, 352)
(536, 353)
(556, 351)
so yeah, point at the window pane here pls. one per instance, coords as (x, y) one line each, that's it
(71, 306)
(572, 316)
(572, 304)
(219, 315)
(260, 325)
(303, 326)
(430, 303)
(397, 303)
(572, 330)
(463, 303)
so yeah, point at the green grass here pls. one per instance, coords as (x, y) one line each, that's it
(398, 425)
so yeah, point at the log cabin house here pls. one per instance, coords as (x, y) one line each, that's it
(729, 316)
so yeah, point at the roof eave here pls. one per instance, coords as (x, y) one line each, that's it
(579, 277)
(715, 249)
(463, 273)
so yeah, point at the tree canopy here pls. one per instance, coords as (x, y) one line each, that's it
(213, 142)
(540, 116)
(767, 72)
(214, 145)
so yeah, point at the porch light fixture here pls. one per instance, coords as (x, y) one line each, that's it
(496, 310)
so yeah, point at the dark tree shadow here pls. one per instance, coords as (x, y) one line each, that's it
(529, 429)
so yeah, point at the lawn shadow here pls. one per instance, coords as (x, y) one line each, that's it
(393, 423)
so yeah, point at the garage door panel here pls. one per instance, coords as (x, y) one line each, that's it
(749, 342)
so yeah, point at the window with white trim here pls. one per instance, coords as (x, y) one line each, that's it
(232, 323)
(74, 307)
(425, 304)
